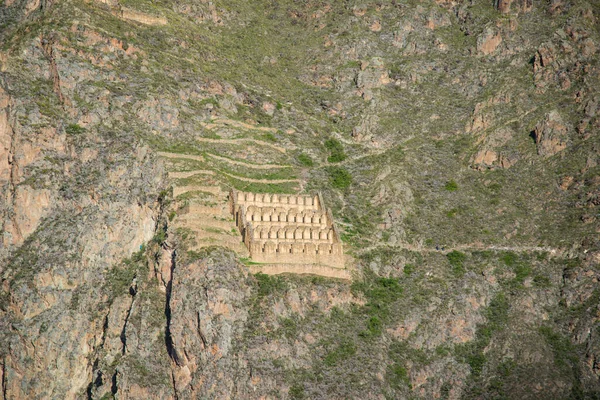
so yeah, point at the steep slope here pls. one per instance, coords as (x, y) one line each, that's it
(458, 143)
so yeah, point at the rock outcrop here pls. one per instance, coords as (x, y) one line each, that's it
(551, 135)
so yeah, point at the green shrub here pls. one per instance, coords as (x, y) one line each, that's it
(43, 327)
(522, 271)
(160, 236)
(74, 129)
(339, 177)
(345, 350)
(288, 327)
(269, 137)
(541, 281)
(509, 258)
(452, 213)
(409, 269)
(442, 351)
(305, 160)
(336, 150)
(398, 375)
(565, 352)
(385, 290)
(374, 326)
(297, 392)
(119, 279)
(445, 390)
(456, 259)
(451, 186)
(476, 361)
(497, 312)
(380, 294)
(269, 284)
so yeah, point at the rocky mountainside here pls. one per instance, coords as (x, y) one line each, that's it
(458, 143)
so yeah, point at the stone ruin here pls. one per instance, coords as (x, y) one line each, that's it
(287, 229)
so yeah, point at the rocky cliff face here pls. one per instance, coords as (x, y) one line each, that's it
(458, 143)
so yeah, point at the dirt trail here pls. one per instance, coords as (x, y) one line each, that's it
(469, 247)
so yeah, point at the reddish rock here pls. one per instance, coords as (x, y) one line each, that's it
(551, 135)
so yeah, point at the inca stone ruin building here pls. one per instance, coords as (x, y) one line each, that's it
(292, 233)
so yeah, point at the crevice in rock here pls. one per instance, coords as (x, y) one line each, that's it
(46, 4)
(174, 383)
(48, 50)
(199, 329)
(96, 380)
(114, 388)
(104, 330)
(168, 337)
(13, 168)
(4, 381)
(123, 335)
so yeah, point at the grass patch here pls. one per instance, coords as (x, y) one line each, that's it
(296, 392)
(74, 129)
(343, 351)
(380, 293)
(339, 177)
(268, 285)
(120, 277)
(497, 318)
(456, 260)
(305, 160)
(336, 150)
(269, 137)
(451, 186)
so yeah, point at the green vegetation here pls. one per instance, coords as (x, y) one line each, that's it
(336, 150)
(380, 293)
(567, 359)
(267, 284)
(409, 269)
(542, 281)
(74, 129)
(398, 376)
(339, 177)
(497, 316)
(289, 327)
(305, 160)
(565, 352)
(297, 392)
(401, 355)
(457, 259)
(269, 137)
(160, 236)
(451, 186)
(120, 277)
(521, 268)
(345, 349)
